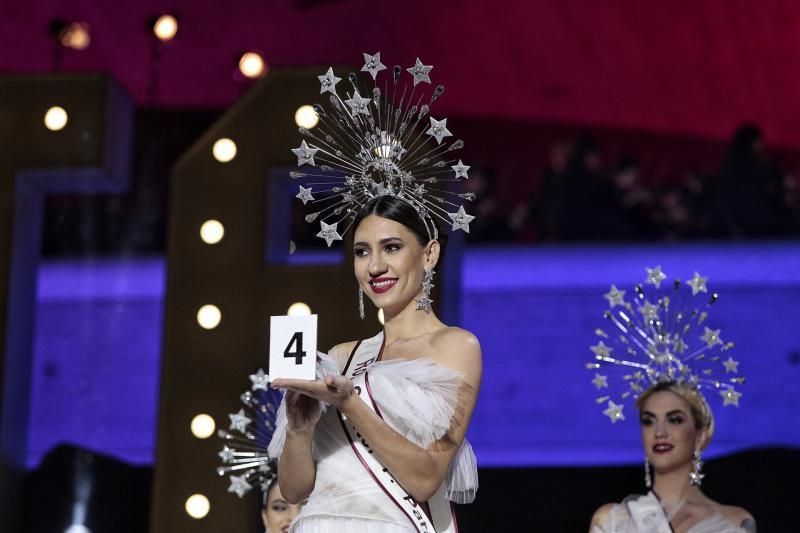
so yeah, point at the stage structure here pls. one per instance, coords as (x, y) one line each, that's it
(230, 267)
(61, 134)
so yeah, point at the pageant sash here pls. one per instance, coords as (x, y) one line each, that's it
(441, 519)
(648, 515)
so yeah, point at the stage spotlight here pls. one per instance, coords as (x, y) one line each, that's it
(224, 150)
(197, 506)
(77, 528)
(212, 231)
(252, 65)
(203, 426)
(299, 309)
(209, 316)
(165, 28)
(380, 316)
(75, 35)
(306, 117)
(56, 118)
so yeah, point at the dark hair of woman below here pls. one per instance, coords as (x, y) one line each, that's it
(265, 494)
(400, 211)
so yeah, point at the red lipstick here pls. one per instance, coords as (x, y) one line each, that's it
(662, 447)
(382, 285)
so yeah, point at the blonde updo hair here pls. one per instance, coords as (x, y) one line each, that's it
(701, 412)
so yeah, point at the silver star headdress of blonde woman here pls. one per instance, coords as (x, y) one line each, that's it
(244, 452)
(661, 335)
(377, 137)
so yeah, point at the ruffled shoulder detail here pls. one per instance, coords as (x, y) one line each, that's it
(416, 397)
(462, 476)
(326, 365)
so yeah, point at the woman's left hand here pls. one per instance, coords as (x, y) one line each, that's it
(333, 390)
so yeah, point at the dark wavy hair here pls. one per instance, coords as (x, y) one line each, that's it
(402, 212)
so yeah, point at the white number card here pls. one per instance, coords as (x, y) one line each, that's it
(293, 347)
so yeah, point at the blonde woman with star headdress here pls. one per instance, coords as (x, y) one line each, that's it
(659, 359)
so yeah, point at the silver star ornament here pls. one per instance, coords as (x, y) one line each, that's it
(614, 412)
(372, 64)
(420, 72)
(461, 219)
(601, 350)
(731, 365)
(711, 337)
(461, 170)
(358, 105)
(305, 195)
(615, 296)
(239, 421)
(730, 396)
(697, 283)
(328, 232)
(239, 485)
(305, 154)
(328, 82)
(655, 276)
(438, 129)
(260, 380)
(649, 311)
(227, 454)
(600, 381)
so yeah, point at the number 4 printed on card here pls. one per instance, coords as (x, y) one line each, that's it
(293, 347)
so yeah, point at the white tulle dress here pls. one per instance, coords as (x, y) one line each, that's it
(645, 514)
(417, 398)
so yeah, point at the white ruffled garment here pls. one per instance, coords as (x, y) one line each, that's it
(645, 514)
(417, 398)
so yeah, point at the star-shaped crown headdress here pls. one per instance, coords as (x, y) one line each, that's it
(376, 142)
(244, 453)
(661, 335)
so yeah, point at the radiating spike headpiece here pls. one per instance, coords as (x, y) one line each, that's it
(660, 335)
(376, 141)
(244, 452)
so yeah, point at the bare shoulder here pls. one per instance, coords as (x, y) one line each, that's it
(601, 513)
(341, 352)
(456, 347)
(454, 340)
(738, 516)
(460, 350)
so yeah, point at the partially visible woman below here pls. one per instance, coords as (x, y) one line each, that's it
(377, 443)
(277, 514)
(676, 424)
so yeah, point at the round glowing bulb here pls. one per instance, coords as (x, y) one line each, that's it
(306, 117)
(209, 316)
(56, 118)
(197, 506)
(76, 36)
(212, 231)
(224, 150)
(165, 28)
(299, 309)
(203, 426)
(252, 65)
(380, 316)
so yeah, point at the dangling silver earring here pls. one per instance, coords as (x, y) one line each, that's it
(361, 303)
(424, 301)
(648, 480)
(696, 475)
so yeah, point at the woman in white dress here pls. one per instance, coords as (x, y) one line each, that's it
(376, 443)
(676, 423)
